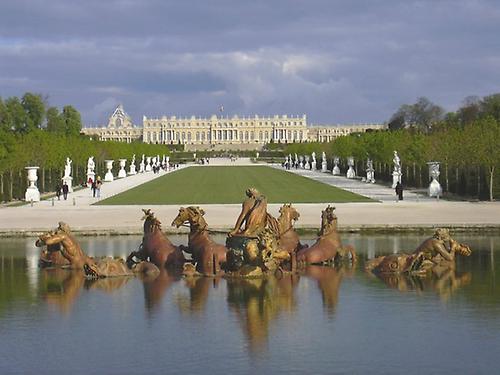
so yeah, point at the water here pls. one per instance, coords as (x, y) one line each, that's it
(324, 321)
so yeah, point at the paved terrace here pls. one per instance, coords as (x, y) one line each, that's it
(414, 213)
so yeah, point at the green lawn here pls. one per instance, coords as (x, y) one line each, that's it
(219, 185)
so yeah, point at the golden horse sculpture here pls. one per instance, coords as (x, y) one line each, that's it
(328, 247)
(155, 246)
(208, 255)
(93, 268)
(288, 237)
(437, 251)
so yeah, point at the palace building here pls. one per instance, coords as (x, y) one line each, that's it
(219, 132)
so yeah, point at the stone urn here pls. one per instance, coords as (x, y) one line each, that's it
(109, 175)
(122, 173)
(435, 189)
(351, 173)
(32, 193)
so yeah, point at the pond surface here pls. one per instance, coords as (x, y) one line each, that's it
(324, 321)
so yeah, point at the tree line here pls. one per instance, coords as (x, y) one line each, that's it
(466, 142)
(34, 134)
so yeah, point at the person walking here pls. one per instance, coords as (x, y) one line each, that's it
(93, 187)
(98, 185)
(65, 190)
(58, 192)
(399, 191)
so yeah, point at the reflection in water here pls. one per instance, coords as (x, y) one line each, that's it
(107, 284)
(257, 302)
(329, 279)
(61, 287)
(199, 288)
(155, 288)
(444, 282)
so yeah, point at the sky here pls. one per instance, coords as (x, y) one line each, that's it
(338, 62)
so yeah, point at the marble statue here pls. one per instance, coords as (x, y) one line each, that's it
(148, 164)
(396, 173)
(90, 170)
(142, 165)
(324, 165)
(67, 179)
(351, 173)
(370, 172)
(301, 162)
(336, 169)
(296, 161)
(313, 162)
(132, 170)
(122, 173)
(306, 163)
(435, 189)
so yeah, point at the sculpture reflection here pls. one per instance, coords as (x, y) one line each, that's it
(61, 288)
(258, 302)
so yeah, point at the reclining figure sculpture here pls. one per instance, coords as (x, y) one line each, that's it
(78, 260)
(436, 251)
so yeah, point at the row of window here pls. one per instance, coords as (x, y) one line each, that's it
(224, 135)
(225, 124)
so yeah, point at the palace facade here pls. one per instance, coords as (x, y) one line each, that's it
(220, 132)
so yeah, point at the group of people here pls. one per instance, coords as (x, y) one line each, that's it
(95, 186)
(64, 189)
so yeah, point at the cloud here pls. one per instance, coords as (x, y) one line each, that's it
(336, 61)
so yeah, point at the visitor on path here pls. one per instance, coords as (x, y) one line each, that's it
(58, 192)
(399, 191)
(94, 188)
(98, 185)
(65, 190)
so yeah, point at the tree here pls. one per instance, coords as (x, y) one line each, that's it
(490, 106)
(35, 111)
(422, 115)
(55, 121)
(72, 120)
(16, 115)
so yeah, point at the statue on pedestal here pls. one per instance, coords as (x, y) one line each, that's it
(396, 173)
(370, 172)
(435, 189)
(324, 165)
(132, 170)
(313, 163)
(67, 179)
(90, 171)
(142, 165)
(351, 173)
(336, 169)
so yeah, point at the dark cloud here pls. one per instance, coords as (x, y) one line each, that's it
(336, 61)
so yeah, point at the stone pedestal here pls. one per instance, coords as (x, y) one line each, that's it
(32, 193)
(132, 170)
(324, 167)
(142, 167)
(313, 165)
(396, 177)
(351, 173)
(148, 164)
(122, 173)
(109, 175)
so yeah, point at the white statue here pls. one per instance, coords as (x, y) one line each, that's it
(396, 173)
(132, 170)
(301, 162)
(306, 163)
(313, 162)
(370, 172)
(67, 175)
(324, 164)
(90, 170)
(90, 165)
(67, 167)
(142, 165)
(133, 159)
(351, 173)
(336, 169)
(435, 189)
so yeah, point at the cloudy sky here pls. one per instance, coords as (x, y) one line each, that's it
(335, 61)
